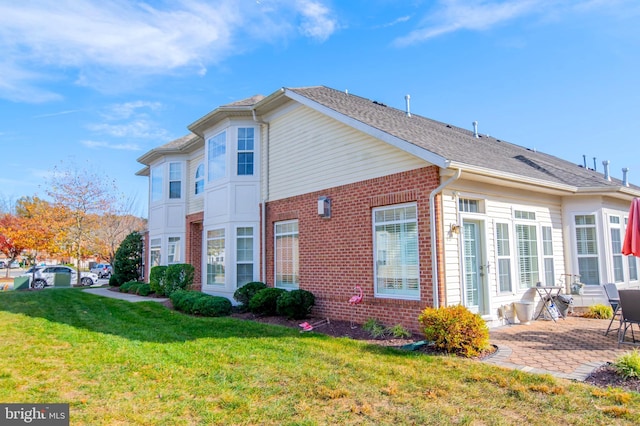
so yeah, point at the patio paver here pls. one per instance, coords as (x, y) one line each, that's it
(571, 348)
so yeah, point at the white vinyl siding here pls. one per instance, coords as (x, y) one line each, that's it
(396, 251)
(338, 154)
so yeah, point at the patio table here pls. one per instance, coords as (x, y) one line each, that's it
(548, 294)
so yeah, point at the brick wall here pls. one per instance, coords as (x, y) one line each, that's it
(336, 254)
(193, 249)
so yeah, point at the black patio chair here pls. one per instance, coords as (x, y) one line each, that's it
(630, 306)
(611, 290)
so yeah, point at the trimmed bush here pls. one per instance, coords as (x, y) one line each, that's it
(164, 280)
(628, 365)
(124, 288)
(127, 264)
(244, 294)
(455, 329)
(196, 303)
(178, 276)
(295, 304)
(156, 278)
(265, 301)
(599, 312)
(143, 289)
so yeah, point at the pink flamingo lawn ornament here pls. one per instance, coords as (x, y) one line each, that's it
(355, 301)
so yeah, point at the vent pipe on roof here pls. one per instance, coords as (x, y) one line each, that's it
(595, 167)
(584, 160)
(475, 129)
(407, 98)
(346, 91)
(607, 176)
(625, 180)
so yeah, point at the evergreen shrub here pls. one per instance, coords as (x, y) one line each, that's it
(295, 304)
(244, 294)
(264, 302)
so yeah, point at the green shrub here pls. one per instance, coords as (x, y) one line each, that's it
(244, 294)
(114, 281)
(628, 365)
(143, 289)
(178, 276)
(156, 279)
(455, 329)
(127, 263)
(124, 288)
(295, 304)
(264, 302)
(375, 328)
(211, 306)
(599, 312)
(399, 332)
(197, 303)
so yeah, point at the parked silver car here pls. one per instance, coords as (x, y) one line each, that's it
(102, 270)
(43, 276)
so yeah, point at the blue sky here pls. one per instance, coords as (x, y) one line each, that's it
(95, 84)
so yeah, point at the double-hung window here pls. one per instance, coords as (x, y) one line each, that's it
(244, 256)
(217, 156)
(215, 257)
(173, 250)
(199, 179)
(527, 244)
(245, 151)
(155, 246)
(587, 249)
(156, 183)
(503, 251)
(175, 180)
(547, 255)
(616, 248)
(287, 265)
(396, 260)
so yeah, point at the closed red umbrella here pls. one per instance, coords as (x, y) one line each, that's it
(631, 244)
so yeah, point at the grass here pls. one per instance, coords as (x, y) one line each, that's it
(121, 363)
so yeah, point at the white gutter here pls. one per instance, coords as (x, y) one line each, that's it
(434, 243)
(265, 197)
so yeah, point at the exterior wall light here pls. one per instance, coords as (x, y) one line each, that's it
(324, 207)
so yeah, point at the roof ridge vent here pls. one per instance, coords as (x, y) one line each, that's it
(475, 129)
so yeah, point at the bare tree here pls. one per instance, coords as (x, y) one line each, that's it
(84, 197)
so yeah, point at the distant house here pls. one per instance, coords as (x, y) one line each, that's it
(322, 190)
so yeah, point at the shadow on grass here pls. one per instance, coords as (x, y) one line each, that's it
(143, 321)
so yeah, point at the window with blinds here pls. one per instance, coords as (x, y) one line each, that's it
(396, 251)
(527, 245)
(587, 249)
(503, 251)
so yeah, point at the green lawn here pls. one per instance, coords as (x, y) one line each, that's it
(120, 363)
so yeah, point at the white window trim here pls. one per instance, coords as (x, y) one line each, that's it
(255, 252)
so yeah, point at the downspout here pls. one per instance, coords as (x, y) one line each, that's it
(434, 243)
(265, 196)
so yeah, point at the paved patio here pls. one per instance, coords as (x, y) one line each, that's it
(570, 348)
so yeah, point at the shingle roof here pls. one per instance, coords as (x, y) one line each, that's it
(456, 144)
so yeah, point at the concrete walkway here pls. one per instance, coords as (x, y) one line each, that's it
(570, 348)
(103, 291)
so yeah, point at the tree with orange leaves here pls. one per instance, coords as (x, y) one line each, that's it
(81, 198)
(14, 237)
(42, 222)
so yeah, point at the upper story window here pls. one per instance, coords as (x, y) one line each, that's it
(175, 180)
(199, 179)
(522, 214)
(468, 205)
(156, 184)
(245, 151)
(216, 157)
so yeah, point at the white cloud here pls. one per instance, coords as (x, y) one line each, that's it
(123, 147)
(128, 109)
(141, 128)
(454, 15)
(95, 39)
(317, 22)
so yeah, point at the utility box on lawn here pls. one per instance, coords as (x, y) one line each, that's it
(21, 283)
(61, 280)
